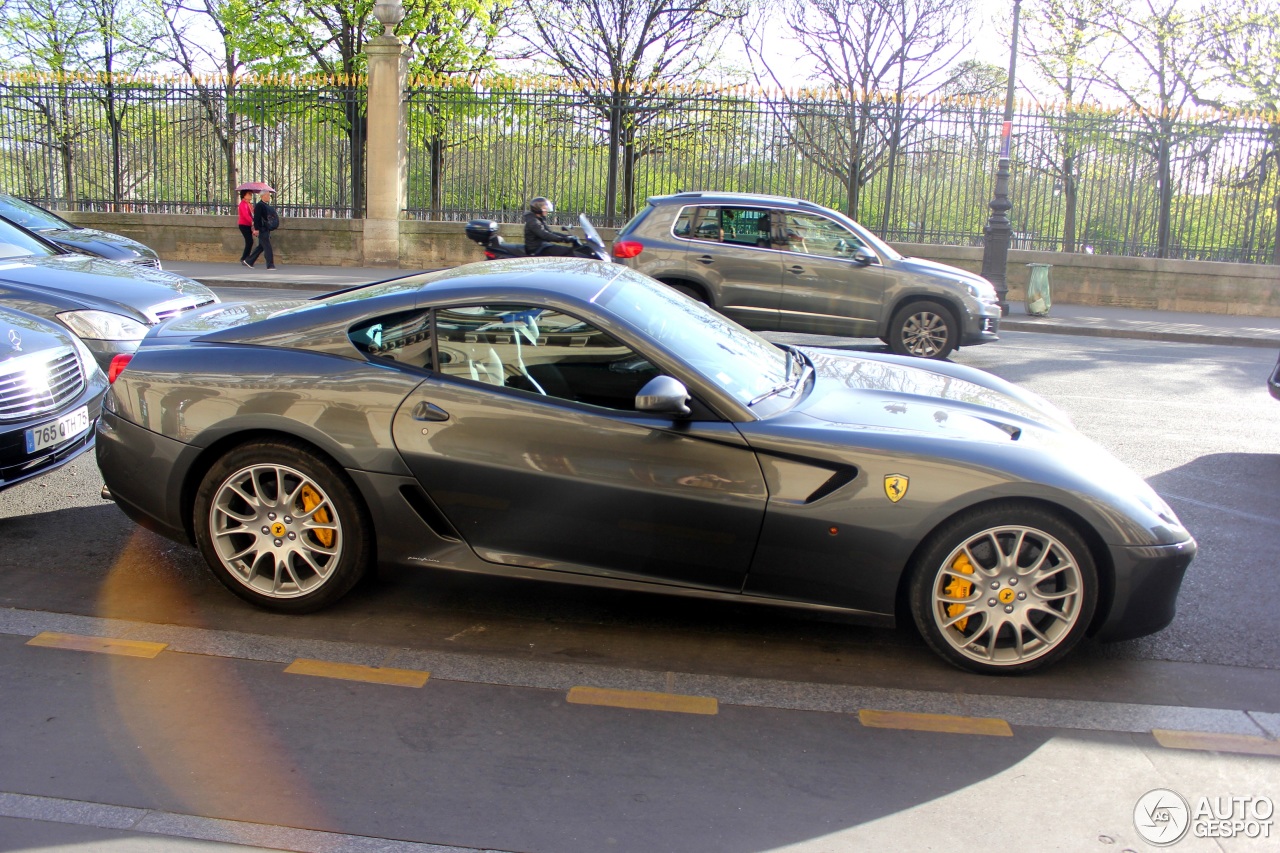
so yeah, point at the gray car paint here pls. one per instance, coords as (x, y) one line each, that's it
(786, 509)
(815, 294)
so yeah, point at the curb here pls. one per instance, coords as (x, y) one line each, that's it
(1055, 327)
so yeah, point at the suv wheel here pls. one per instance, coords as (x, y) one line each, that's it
(925, 330)
(688, 290)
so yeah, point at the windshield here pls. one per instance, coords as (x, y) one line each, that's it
(28, 215)
(16, 243)
(745, 365)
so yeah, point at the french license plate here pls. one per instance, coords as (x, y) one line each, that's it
(56, 432)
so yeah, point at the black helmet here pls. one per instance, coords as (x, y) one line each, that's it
(542, 205)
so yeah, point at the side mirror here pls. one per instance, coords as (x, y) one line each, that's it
(864, 256)
(664, 395)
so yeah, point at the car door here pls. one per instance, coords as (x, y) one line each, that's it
(826, 289)
(732, 252)
(527, 440)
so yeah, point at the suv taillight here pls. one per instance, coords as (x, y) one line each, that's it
(627, 249)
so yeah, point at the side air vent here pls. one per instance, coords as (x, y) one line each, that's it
(429, 513)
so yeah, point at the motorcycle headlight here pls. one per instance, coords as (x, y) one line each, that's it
(103, 325)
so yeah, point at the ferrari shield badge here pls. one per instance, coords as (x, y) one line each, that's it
(895, 486)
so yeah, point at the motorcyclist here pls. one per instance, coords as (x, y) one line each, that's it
(538, 238)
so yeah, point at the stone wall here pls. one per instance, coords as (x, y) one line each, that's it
(1080, 279)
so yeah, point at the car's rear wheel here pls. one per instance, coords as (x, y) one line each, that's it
(1005, 589)
(688, 290)
(924, 329)
(281, 527)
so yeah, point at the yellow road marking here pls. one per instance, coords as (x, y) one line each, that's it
(935, 723)
(100, 645)
(355, 672)
(1211, 742)
(642, 701)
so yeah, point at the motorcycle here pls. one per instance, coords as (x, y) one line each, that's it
(485, 232)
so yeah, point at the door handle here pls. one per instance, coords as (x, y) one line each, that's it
(705, 259)
(795, 268)
(425, 411)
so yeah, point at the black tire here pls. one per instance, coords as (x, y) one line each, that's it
(304, 542)
(925, 330)
(974, 598)
(688, 290)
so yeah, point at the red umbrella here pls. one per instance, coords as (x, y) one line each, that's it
(255, 186)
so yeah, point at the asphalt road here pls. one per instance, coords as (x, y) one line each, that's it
(496, 759)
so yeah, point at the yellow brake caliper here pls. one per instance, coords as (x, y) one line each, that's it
(311, 500)
(959, 588)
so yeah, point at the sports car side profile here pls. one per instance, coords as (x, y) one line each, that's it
(572, 420)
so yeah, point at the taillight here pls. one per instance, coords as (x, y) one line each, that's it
(117, 366)
(627, 249)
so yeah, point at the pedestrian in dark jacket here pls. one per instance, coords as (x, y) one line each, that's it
(538, 238)
(244, 220)
(265, 220)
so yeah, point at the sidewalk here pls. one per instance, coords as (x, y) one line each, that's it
(1095, 320)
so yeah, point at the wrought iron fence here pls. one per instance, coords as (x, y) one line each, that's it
(158, 145)
(1191, 186)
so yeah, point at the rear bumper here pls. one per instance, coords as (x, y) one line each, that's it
(141, 470)
(1147, 580)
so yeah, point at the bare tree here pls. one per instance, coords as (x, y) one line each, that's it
(1245, 41)
(1061, 39)
(620, 53)
(203, 38)
(1158, 58)
(875, 52)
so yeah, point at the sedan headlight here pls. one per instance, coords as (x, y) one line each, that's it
(103, 325)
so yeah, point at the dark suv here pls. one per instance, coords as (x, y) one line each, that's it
(784, 264)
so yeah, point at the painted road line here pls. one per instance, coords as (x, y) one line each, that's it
(946, 723)
(1215, 742)
(98, 645)
(355, 672)
(643, 701)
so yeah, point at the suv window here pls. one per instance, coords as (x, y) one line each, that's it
(812, 234)
(739, 226)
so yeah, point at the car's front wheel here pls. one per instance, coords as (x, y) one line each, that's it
(281, 527)
(925, 330)
(1005, 589)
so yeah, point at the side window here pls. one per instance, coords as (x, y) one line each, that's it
(540, 351)
(705, 224)
(811, 234)
(746, 226)
(404, 337)
(684, 222)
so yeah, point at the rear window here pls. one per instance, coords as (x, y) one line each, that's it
(634, 222)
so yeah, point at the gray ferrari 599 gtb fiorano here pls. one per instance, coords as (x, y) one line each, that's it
(572, 420)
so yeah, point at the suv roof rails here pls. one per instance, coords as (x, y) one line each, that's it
(689, 194)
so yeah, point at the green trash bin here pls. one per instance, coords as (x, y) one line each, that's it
(1038, 300)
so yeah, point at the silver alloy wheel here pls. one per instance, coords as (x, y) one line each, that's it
(275, 530)
(1007, 595)
(925, 334)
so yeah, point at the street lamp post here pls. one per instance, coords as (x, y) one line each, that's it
(998, 233)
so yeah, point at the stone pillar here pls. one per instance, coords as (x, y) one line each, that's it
(386, 140)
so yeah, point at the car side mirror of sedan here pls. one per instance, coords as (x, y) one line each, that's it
(664, 395)
(864, 256)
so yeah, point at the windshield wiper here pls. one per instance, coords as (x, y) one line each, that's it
(793, 356)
